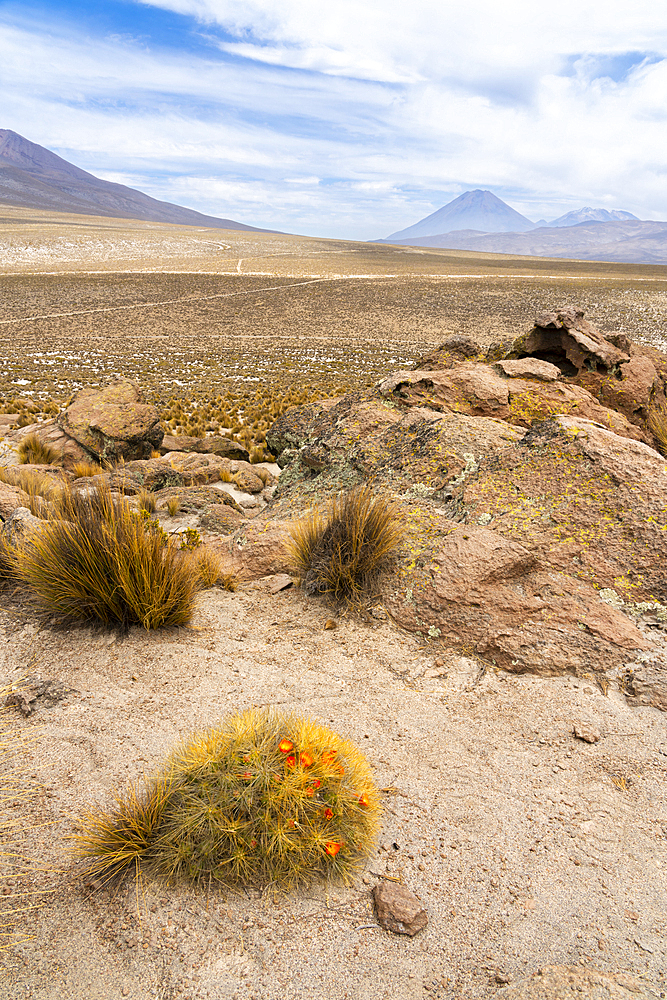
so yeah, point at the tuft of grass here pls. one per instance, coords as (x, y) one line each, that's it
(146, 501)
(226, 476)
(84, 470)
(41, 488)
(7, 560)
(99, 561)
(657, 424)
(344, 551)
(210, 572)
(263, 799)
(32, 451)
(173, 506)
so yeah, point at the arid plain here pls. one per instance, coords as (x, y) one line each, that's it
(529, 848)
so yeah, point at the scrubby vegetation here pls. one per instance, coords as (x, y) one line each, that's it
(657, 424)
(33, 451)
(343, 551)
(97, 560)
(265, 799)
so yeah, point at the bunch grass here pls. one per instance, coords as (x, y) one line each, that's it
(344, 550)
(99, 561)
(33, 451)
(657, 424)
(264, 799)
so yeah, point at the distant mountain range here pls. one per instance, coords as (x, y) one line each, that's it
(34, 177)
(478, 220)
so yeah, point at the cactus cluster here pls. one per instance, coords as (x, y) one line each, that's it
(265, 799)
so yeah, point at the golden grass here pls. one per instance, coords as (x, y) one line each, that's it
(263, 799)
(173, 506)
(32, 451)
(209, 569)
(146, 501)
(343, 551)
(84, 470)
(100, 562)
(42, 489)
(657, 424)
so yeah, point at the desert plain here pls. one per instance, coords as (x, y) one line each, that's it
(530, 847)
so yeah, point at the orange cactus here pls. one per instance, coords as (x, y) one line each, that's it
(285, 746)
(328, 813)
(310, 792)
(291, 761)
(333, 847)
(317, 783)
(306, 759)
(363, 800)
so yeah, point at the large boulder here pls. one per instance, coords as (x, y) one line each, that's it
(11, 498)
(113, 422)
(51, 434)
(215, 444)
(534, 513)
(626, 376)
(483, 390)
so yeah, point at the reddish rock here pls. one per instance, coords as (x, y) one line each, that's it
(113, 422)
(213, 445)
(11, 498)
(529, 368)
(398, 909)
(257, 549)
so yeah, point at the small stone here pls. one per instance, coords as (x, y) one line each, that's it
(330, 623)
(586, 732)
(398, 909)
(279, 581)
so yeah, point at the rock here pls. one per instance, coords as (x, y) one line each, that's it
(214, 445)
(196, 498)
(529, 368)
(479, 390)
(586, 731)
(453, 349)
(151, 474)
(36, 693)
(572, 340)
(646, 683)
(20, 525)
(556, 982)
(248, 481)
(398, 909)
(257, 549)
(50, 433)
(113, 422)
(221, 519)
(11, 498)
(196, 469)
(278, 582)
(629, 378)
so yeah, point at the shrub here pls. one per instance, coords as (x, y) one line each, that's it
(173, 506)
(84, 470)
(32, 451)
(41, 488)
(265, 798)
(209, 570)
(344, 551)
(146, 501)
(99, 561)
(190, 539)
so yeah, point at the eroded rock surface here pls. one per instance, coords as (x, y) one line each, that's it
(113, 422)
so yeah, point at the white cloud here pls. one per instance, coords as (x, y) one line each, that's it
(358, 117)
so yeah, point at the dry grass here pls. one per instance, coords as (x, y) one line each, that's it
(657, 424)
(209, 569)
(264, 799)
(344, 551)
(146, 501)
(33, 451)
(100, 562)
(173, 506)
(85, 470)
(42, 490)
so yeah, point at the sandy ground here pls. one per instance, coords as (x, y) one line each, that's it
(527, 846)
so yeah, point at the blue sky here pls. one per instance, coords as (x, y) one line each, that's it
(348, 118)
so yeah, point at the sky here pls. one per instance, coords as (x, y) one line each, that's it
(348, 118)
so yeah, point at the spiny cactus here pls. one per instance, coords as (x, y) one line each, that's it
(265, 798)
